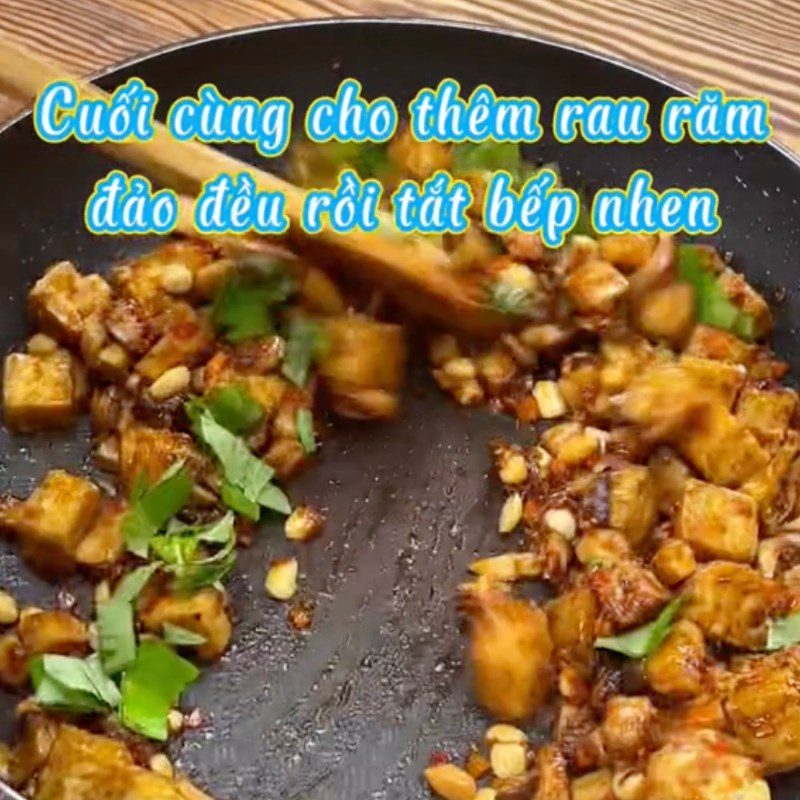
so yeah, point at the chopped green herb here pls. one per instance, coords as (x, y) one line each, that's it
(243, 306)
(487, 156)
(234, 499)
(319, 164)
(151, 686)
(181, 637)
(116, 635)
(151, 509)
(305, 342)
(304, 422)
(783, 632)
(712, 305)
(72, 684)
(241, 468)
(642, 641)
(129, 588)
(235, 408)
(583, 225)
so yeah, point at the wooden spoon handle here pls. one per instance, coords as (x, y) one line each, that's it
(413, 268)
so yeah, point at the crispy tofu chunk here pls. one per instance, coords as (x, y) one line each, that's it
(39, 391)
(628, 251)
(204, 612)
(762, 703)
(720, 378)
(765, 485)
(571, 617)
(13, 661)
(767, 412)
(720, 448)
(718, 522)
(667, 313)
(730, 603)
(53, 632)
(51, 523)
(62, 300)
(628, 594)
(149, 451)
(182, 344)
(714, 343)
(678, 666)
(634, 504)
(596, 286)
(745, 297)
(104, 543)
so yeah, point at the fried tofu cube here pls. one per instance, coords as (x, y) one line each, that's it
(667, 313)
(721, 378)
(204, 612)
(720, 448)
(678, 666)
(53, 632)
(39, 391)
(181, 344)
(104, 543)
(628, 594)
(674, 562)
(767, 412)
(764, 485)
(714, 343)
(571, 617)
(745, 297)
(62, 300)
(150, 451)
(628, 251)
(52, 522)
(634, 503)
(730, 603)
(718, 522)
(596, 286)
(13, 661)
(762, 704)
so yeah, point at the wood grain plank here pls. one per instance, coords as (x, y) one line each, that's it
(746, 46)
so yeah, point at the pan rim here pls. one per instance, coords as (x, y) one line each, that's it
(400, 22)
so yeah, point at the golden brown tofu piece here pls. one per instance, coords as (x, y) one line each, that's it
(596, 286)
(592, 786)
(730, 603)
(678, 666)
(84, 766)
(553, 779)
(51, 523)
(767, 411)
(150, 451)
(510, 649)
(766, 484)
(204, 612)
(364, 367)
(714, 343)
(762, 703)
(720, 448)
(39, 391)
(634, 504)
(184, 343)
(628, 727)
(745, 297)
(628, 594)
(674, 562)
(13, 661)
(721, 378)
(628, 251)
(571, 617)
(53, 632)
(718, 522)
(703, 765)
(622, 360)
(62, 301)
(667, 313)
(104, 543)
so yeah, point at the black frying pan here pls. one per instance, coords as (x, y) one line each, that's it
(353, 710)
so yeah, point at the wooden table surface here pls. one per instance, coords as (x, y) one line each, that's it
(749, 47)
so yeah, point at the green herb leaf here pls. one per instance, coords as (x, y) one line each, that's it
(151, 686)
(72, 684)
(583, 225)
(181, 637)
(234, 407)
(242, 469)
(304, 422)
(783, 632)
(510, 300)
(243, 307)
(489, 156)
(116, 635)
(642, 641)
(130, 587)
(305, 343)
(154, 507)
(712, 306)
(234, 499)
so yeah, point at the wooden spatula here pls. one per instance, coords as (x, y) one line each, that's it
(413, 269)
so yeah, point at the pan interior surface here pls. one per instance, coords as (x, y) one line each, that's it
(354, 708)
